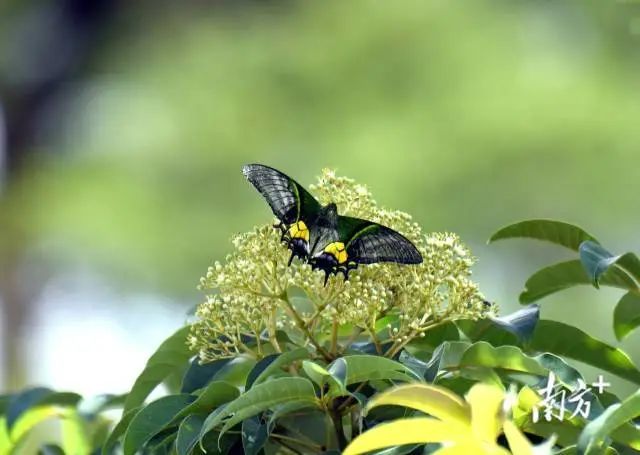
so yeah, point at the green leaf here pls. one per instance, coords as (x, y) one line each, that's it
(5, 440)
(521, 323)
(235, 372)
(286, 409)
(508, 358)
(188, 434)
(510, 329)
(214, 395)
(597, 260)
(471, 360)
(259, 367)
(152, 419)
(119, 430)
(558, 232)
(446, 355)
(595, 432)
(282, 360)
(511, 360)
(362, 368)
(322, 376)
(51, 449)
(567, 274)
(568, 341)
(20, 403)
(417, 430)
(89, 408)
(260, 398)
(434, 337)
(254, 435)
(198, 376)
(430, 399)
(626, 316)
(173, 354)
(75, 438)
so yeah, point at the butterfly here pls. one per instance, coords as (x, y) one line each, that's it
(319, 236)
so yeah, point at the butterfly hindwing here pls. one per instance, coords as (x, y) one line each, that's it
(368, 242)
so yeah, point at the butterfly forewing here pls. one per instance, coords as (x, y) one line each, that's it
(289, 201)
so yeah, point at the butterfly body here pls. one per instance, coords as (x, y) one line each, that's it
(318, 235)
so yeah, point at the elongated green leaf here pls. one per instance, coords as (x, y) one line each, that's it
(410, 361)
(286, 409)
(419, 430)
(515, 328)
(521, 323)
(188, 433)
(214, 395)
(283, 359)
(5, 440)
(236, 371)
(119, 430)
(448, 354)
(558, 232)
(152, 419)
(430, 399)
(626, 316)
(597, 260)
(20, 403)
(173, 354)
(254, 435)
(508, 358)
(198, 376)
(51, 449)
(260, 398)
(511, 360)
(334, 378)
(567, 274)
(31, 418)
(75, 438)
(258, 368)
(568, 341)
(473, 359)
(593, 436)
(89, 408)
(437, 335)
(362, 368)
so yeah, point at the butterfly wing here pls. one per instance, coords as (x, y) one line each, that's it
(367, 242)
(289, 201)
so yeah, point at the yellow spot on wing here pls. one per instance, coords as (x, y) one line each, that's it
(299, 230)
(338, 251)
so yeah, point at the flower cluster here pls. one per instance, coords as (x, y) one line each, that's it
(254, 297)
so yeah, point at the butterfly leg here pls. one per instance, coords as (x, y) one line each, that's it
(293, 254)
(347, 268)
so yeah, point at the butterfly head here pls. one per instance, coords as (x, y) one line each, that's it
(330, 212)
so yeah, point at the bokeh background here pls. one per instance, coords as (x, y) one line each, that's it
(124, 125)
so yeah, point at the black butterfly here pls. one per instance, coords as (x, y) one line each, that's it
(318, 235)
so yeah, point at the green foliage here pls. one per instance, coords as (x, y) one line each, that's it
(596, 265)
(306, 395)
(172, 355)
(556, 232)
(594, 436)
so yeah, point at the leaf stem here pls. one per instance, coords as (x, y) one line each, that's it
(303, 327)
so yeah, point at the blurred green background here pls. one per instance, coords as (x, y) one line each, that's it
(126, 124)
